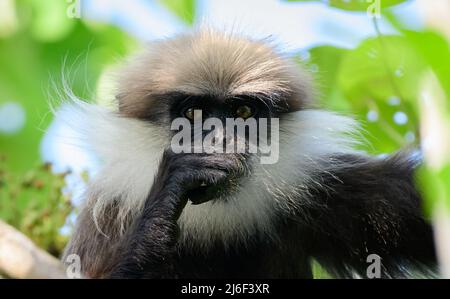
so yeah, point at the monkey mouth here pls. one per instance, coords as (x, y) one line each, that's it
(212, 188)
(206, 192)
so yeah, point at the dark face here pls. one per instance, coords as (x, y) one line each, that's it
(168, 107)
(241, 106)
(163, 108)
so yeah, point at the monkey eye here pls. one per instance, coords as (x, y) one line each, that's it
(190, 114)
(244, 111)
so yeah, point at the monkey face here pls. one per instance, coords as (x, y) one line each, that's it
(219, 129)
(207, 80)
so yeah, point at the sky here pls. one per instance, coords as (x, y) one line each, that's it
(297, 25)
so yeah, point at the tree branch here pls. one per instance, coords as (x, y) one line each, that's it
(21, 258)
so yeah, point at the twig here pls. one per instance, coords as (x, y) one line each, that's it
(21, 258)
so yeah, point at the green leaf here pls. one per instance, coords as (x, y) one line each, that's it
(434, 185)
(355, 5)
(435, 50)
(382, 76)
(388, 64)
(184, 9)
(324, 62)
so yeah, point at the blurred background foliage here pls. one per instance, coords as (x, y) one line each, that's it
(34, 54)
(35, 204)
(379, 82)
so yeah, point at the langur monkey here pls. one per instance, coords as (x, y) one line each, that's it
(153, 213)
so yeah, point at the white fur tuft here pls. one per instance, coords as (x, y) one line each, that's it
(129, 151)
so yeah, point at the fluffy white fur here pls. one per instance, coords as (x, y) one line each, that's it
(130, 151)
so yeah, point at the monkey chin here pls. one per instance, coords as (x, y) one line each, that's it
(204, 193)
(212, 190)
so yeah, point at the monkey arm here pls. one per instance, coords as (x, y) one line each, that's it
(111, 248)
(149, 248)
(151, 244)
(95, 243)
(148, 240)
(370, 206)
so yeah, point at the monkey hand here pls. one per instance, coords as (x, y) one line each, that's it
(202, 177)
